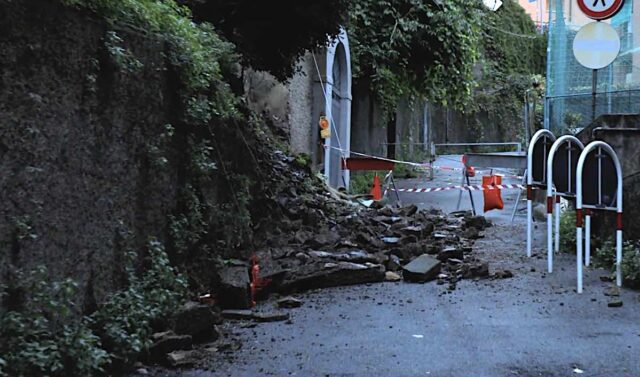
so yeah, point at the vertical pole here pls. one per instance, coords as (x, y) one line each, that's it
(529, 224)
(619, 258)
(526, 117)
(464, 172)
(550, 234)
(557, 218)
(473, 206)
(594, 85)
(587, 239)
(579, 255)
(619, 230)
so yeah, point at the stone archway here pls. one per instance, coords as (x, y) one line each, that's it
(337, 107)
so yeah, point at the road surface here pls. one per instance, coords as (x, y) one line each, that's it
(533, 324)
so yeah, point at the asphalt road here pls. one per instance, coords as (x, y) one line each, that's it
(533, 324)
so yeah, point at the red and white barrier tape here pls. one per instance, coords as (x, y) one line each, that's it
(422, 165)
(464, 187)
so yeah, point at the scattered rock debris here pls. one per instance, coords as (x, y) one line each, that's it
(503, 274)
(422, 269)
(258, 316)
(352, 244)
(613, 291)
(289, 302)
(615, 303)
(319, 244)
(392, 276)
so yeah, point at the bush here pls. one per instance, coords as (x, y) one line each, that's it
(568, 232)
(361, 182)
(126, 321)
(606, 258)
(45, 338)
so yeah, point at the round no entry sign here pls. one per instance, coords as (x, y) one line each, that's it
(600, 9)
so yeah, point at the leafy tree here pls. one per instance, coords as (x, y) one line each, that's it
(511, 43)
(513, 59)
(416, 48)
(273, 35)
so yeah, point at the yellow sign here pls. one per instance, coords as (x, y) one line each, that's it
(325, 130)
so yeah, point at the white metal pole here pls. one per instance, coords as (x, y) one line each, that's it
(557, 216)
(579, 256)
(529, 225)
(587, 240)
(550, 240)
(540, 134)
(619, 257)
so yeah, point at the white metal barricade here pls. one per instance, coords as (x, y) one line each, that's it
(538, 146)
(597, 148)
(568, 188)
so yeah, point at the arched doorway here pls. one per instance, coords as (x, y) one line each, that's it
(338, 109)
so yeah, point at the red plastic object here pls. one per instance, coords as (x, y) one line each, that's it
(366, 163)
(471, 171)
(492, 197)
(376, 190)
(257, 283)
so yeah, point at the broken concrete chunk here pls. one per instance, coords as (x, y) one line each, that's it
(270, 316)
(234, 288)
(167, 342)
(289, 302)
(182, 358)
(386, 211)
(451, 253)
(478, 222)
(503, 274)
(391, 240)
(392, 276)
(477, 270)
(196, 320)
(393, 263)
(253, 315)
(615, 303)
(314, 276)
(237, 314)
(421, 269)
(612, 291)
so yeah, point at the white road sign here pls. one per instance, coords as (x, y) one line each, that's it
(596, 45)
(600, 9)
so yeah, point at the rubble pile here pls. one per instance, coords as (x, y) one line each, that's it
(351, 244)
(310, 236)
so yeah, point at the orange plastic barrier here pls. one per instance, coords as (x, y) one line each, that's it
(492, 198)
(376, 190)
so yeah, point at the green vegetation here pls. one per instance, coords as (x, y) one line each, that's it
(605, 257)
(408, 48)
(125, 322)
(43, 336)
(202, 57)
(513, 60)
(568, 232)
(361, 182)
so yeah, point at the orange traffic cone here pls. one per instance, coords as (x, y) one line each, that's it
(376, 190)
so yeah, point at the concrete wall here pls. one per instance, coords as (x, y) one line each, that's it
(368, 129)
(301, 122)
(75, 133)
(287, 105)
